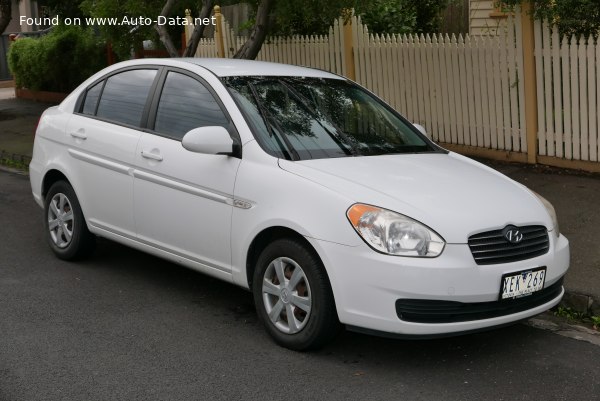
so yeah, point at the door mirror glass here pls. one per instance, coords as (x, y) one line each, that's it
(421, 129)
(208, 140)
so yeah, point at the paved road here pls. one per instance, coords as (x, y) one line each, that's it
(127, 326)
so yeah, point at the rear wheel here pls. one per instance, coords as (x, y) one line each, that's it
(293, 296)
(66, 230)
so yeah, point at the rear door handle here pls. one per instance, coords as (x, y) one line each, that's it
(79, 134)
(149, 155)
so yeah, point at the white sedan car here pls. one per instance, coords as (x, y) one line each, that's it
(301, 186)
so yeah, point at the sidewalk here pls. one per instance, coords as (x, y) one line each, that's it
(576, 196)
(18, 120)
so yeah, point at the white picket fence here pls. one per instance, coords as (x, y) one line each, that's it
(465, 90)
(568, 87)
(317, 51)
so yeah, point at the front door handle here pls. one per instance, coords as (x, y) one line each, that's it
(149, 155)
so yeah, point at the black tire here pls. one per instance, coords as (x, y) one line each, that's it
(320, 325)
(81, 242)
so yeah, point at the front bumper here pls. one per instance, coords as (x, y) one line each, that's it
(367, 285)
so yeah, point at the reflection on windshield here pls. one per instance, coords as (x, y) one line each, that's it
(311, 118)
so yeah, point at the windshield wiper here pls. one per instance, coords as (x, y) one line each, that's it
(270, 122)
(339, 136)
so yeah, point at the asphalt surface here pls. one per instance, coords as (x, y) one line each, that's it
(124, 325)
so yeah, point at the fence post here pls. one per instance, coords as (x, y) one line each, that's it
(219, 32)
(529, 81)
(189, 27)
(348, 48)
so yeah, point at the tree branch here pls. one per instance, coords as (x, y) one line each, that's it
(163, 34)
(192, 45)
(252, 47)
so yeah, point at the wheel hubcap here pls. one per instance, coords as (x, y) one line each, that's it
(60, 220)
(286, 295)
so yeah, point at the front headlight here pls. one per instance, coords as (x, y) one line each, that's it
(550, 210)
(394, 234)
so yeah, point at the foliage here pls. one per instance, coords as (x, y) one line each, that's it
(569, 313)
(596, 322)
(16, 164)
(388, 16)
(429, 14)
(381, 16)
(126, 38)
(62, 8)
(578, 317)
(288, 17)
(305, 17)
(573, 17)
(58, 61)
(123, 38)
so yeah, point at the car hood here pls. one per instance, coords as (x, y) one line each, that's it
(453, 195)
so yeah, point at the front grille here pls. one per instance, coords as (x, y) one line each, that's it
(431, 311)
(491, 247)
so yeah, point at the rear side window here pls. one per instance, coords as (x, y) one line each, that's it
(184, 104)
(124, 96)
(91, 99)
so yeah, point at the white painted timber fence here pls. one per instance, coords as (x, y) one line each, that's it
(470, 92)
(464, 90)
(568, 90)
(318, 51)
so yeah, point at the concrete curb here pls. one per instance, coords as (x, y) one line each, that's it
(14, 170)
(581, 303)
(562, 327)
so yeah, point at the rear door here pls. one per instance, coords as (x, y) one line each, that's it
(104, 133)
(183, 200)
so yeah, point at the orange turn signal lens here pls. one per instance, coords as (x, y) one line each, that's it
(358, 210)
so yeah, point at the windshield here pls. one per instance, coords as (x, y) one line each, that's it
(314, 118)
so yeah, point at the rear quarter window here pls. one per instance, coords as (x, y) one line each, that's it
(91, 99)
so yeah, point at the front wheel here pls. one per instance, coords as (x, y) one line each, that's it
(293, 296)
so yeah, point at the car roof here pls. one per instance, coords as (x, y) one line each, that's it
(227, 67)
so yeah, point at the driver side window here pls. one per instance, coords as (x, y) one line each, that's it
(184, 104)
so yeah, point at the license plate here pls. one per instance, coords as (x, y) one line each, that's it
(521, 284)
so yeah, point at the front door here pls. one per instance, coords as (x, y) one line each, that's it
(182, 200)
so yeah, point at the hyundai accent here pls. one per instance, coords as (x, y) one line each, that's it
(301, 186)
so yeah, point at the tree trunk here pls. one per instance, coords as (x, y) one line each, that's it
(191, 47)
(163, 34)
(5, 14)
(252, 46)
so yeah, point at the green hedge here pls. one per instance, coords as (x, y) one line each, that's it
(58, 61)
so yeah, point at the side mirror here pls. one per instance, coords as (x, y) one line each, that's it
(421, 129)
(208, 140)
